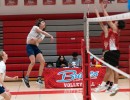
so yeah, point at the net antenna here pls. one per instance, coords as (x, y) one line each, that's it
(87, 10)
(123, 16)
(86, 26)
(87, 29)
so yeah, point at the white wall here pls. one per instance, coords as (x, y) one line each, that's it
(58, 8)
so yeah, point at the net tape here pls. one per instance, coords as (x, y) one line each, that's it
(123, 16)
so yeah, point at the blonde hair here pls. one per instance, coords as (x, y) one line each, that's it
(1, 54)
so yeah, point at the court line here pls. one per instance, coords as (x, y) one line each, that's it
(92, 97)
(121, 90)
(75, 97)
(54, 92)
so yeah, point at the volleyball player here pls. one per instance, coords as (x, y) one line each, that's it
(35, 36)
(4, 91)
(113, 54)
(108, 78)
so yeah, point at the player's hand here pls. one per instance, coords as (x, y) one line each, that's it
(104, 4)
(52, 38)
(7, 90)
(15, 77)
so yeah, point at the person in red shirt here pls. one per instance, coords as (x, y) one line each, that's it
(112, 53)
(108, 80)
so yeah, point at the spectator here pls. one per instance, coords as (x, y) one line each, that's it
(75, 61)
(61, 62)
(50, 65)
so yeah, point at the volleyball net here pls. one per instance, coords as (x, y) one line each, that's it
(87, 23)
(123, 16)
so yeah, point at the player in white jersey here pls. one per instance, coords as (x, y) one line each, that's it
(36, 36)
(4, 91)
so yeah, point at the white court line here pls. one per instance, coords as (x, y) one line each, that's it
(92, 96)
(75, 97)
(20, 84)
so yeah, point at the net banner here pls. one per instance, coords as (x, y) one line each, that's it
(71, 77)
(87, 1)
(49, 2)
(11, 2)
(30, 2)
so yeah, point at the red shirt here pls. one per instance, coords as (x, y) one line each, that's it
(105, 42)
(113, 40)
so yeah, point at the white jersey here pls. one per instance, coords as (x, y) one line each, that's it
(2, 70)
(113, 40)
(34, 34)
(112, 43)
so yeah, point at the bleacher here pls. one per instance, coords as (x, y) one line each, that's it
(124, 48)
(1, 35)
(67, 37)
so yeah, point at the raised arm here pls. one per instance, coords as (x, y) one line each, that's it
(45, 33)
(110, 23)
(104, 28)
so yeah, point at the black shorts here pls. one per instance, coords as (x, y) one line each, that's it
(32, 50)
(2, 89)
(112, 57)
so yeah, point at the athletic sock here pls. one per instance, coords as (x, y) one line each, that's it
(26, 77)
(107, 83)
(110, 86)
(39, 77)
(111, 83)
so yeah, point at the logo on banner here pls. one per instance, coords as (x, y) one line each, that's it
(69, 75)
(94, 74)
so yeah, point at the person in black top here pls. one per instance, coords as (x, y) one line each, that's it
(61, 62)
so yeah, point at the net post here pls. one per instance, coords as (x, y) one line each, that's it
(129, 59)
(86, 72)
